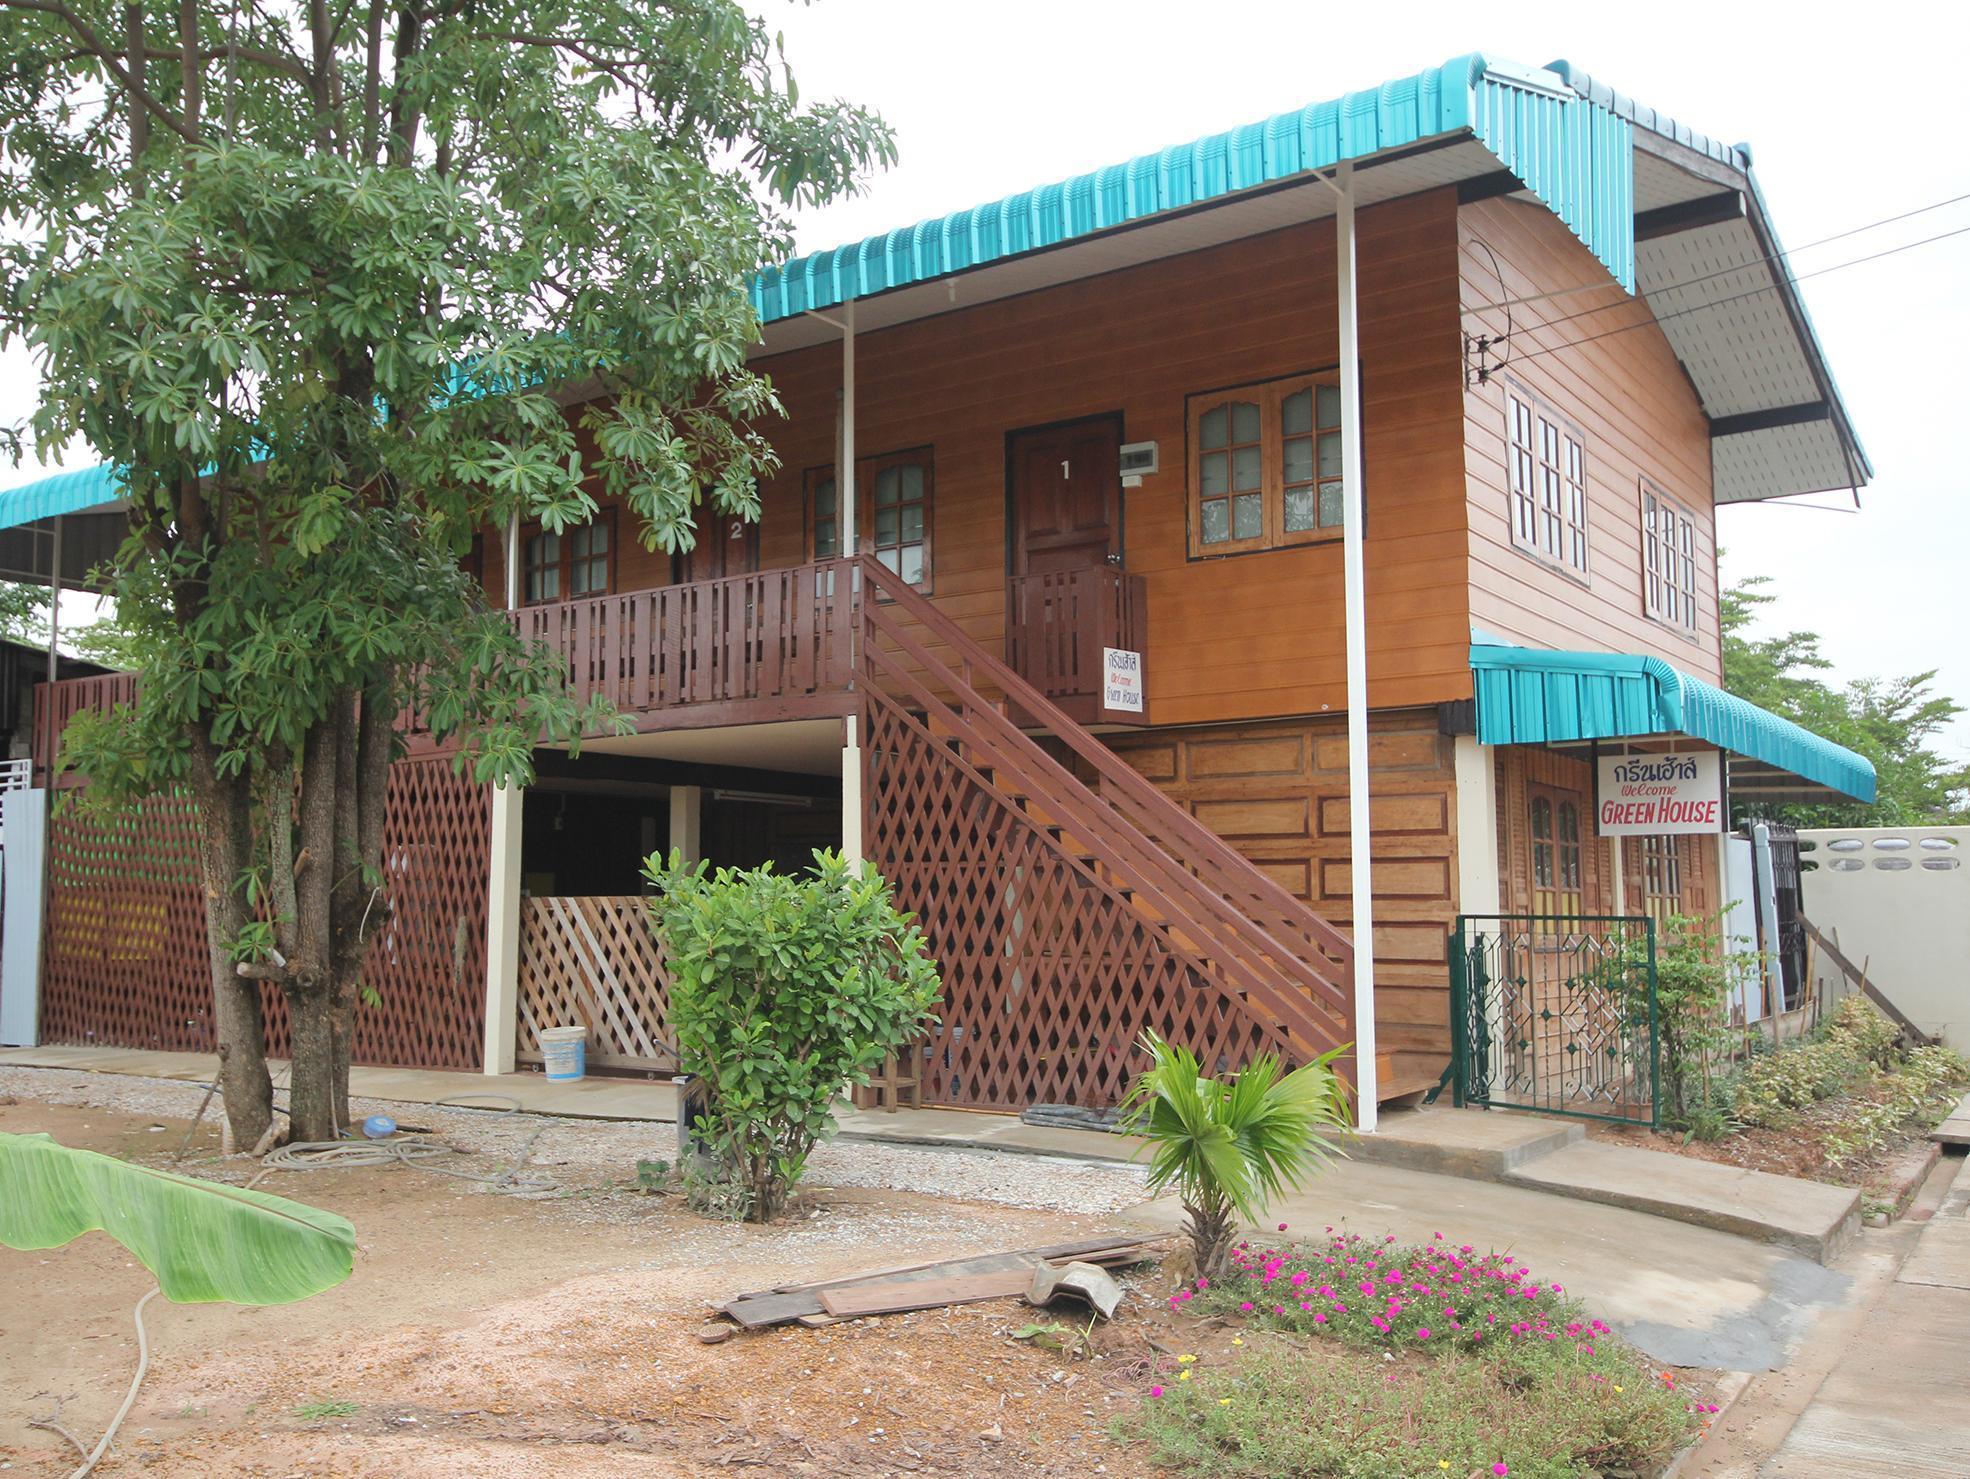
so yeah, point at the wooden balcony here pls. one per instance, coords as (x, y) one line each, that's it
(1057, 625)
(761, 648)
(749, 649)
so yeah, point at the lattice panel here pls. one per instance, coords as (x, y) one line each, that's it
(126, 963)
(595, 962)
(1050, 975)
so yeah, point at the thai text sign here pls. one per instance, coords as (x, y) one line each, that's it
(1654, 794)
(1121, 680)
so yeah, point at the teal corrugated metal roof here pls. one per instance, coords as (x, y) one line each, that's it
(1527, 696)
(1573, 153)
(63, 493)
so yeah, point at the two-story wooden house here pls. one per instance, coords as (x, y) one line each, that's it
(1047, 618)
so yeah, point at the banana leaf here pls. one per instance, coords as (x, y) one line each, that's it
(203, 1240)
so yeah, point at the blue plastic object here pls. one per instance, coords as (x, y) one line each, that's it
(379, 1126)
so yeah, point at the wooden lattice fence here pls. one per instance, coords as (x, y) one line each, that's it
(126, 963)
(595, 962)
(1050, 975)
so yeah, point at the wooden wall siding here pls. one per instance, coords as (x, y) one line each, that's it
(1278, 793)
(1520, 766)
(1628, 395)
(1246, 636)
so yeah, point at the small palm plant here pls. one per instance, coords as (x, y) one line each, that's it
(1228, 1146)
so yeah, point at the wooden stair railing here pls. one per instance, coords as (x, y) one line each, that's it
(1238, 929)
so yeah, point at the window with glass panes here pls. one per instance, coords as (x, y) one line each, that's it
(570, 565)
(1266, 465)
(823, 514)
(541, 568)
(1556, 868)
(1662, 876)
(588, 557)
(896, 500)
(1546, 467)
(1668, 560)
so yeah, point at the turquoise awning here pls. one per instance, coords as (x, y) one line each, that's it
(1529, 696)
(61, 493)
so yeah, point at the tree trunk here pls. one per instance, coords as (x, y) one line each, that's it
(225, 807)
(1211, 1230)
(315, 1110)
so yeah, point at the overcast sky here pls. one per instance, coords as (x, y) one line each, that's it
(1853, 115)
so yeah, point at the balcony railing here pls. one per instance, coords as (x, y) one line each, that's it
(751, 649)
(1057, 625)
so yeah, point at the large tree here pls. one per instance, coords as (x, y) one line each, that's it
(337, 283)
(1894, 722)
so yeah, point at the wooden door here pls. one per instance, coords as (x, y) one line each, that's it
(727, 545)
(1067, 496)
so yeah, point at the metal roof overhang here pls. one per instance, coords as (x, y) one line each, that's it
(1639, 191)
(1529, 696)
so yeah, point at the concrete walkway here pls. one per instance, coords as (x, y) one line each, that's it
(1538, 1152)
(1897, 1404)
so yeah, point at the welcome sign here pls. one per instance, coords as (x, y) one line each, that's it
(1121, 680)
(1649, 795)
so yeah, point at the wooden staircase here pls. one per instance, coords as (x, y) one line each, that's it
(1070, 914)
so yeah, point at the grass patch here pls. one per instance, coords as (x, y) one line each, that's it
(1375, 1361)
(337, 1407)
(1291, 1409)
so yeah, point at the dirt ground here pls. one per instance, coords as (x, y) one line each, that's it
(489, 1334)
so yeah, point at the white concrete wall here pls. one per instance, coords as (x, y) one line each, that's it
(1900, 899)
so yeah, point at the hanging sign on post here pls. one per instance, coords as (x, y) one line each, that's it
(1650, 795)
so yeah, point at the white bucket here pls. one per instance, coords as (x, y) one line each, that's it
(566, 1052)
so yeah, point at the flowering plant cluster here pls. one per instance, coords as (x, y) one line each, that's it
(1376, 1293)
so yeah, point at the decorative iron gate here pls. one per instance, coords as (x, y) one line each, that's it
(1556, 1014)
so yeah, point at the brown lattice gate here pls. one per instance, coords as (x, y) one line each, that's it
(595, 962)
(126, 962)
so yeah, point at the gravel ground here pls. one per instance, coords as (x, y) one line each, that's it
(582, 1155)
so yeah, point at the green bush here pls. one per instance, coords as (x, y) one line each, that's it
(1920, 1088)
(1696, 974)
(1860, 1030)
(1771, 1089)
(784, 992)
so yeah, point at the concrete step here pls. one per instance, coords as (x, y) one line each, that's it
(1805, 1216)
(1463, 1142)
(1956, 1129)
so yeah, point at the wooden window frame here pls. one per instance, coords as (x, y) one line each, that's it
(1548, 491)
(564, 561)
(866, 471)
(1556, 799)
(1668, 561)
(1270, 397)
(812, 480)
(1659, 865)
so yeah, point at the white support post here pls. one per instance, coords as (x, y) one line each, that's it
(1478, 885)
(1360, 836)
(503, 884)
(687, 822)
(851, 792)
(845, 474)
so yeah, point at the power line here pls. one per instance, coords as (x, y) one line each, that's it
(1770, 287)
(1725, 272)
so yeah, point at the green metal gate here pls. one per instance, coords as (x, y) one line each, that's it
(1556, 1014)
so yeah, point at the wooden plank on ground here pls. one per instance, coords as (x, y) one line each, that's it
(894, 1296)
(1956, 1129)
